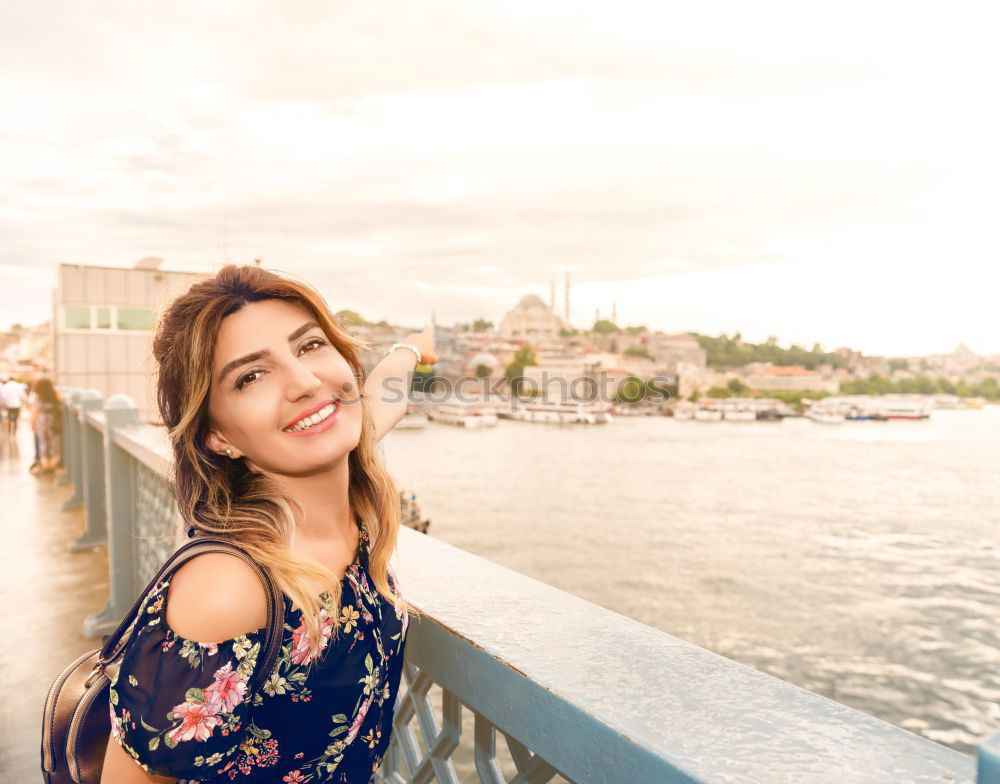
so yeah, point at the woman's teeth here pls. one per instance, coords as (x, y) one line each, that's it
(309, 421)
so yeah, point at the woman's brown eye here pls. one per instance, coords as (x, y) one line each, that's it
(244, 380)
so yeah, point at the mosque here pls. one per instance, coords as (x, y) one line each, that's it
(532, 318)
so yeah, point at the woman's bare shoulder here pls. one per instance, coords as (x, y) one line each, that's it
(215, 597)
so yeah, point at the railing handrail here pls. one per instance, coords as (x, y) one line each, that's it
(597, 695)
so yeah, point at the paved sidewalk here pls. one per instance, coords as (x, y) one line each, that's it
(45, 592)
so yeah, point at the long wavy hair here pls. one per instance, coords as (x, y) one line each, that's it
(223, 497)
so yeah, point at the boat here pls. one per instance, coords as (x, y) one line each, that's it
(906, 409)
(826, 413)
(708, 415)
(684, 411)
(633, 409)
(411, 515)
(740, 412)
(769, 415)
(562, 412)
(472, 415)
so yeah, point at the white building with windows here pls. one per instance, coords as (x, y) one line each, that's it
(103, 323)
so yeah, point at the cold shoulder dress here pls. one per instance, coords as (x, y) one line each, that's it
(181, 708)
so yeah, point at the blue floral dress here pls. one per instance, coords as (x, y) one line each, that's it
(181, 708)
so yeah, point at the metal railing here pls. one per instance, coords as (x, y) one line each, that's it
(579, 693)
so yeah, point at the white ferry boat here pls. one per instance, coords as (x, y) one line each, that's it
(633, 409)
(906, 408)
(704, 414)
(826, 413)
(562, 412)
(684, 411)
(739, 413)
(463, 414)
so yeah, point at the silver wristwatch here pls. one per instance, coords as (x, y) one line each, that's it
(410, 346)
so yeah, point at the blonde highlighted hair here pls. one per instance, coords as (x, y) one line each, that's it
(223, 497)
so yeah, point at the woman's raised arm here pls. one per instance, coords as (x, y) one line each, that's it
(388, 383)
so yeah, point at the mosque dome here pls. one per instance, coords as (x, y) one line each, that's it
(531, 300)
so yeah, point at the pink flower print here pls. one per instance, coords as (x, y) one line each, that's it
(359, 719)
(295, 777)
(115, 731)
(198, 721)
(302, 651)
(227, 691)
(211, 647)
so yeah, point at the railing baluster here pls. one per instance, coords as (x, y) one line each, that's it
(92, 452)
(73, 458)
(119, 412)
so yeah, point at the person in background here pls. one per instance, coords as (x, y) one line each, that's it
(3, 403)
(32, 417)
(46, 421)
(13, 394)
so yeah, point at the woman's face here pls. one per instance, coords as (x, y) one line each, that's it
(253, 400)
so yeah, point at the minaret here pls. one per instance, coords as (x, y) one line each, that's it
(567, 298)
(614, 312)
(597, 314)
(552, 296)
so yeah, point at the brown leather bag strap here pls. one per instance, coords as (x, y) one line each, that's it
(117, 640)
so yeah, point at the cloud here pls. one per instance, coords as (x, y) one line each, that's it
(491, 148)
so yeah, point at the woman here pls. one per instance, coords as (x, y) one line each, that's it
(274, 447)
(46, 423)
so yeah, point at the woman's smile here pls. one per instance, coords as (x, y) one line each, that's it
(321, 421)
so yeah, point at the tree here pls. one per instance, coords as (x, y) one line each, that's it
(350, 318)
(483, 371)
(637, 351)
(423, 379)
(736, 386)
(604, 327)
(481, 325)
(515, 370)
(630, 390)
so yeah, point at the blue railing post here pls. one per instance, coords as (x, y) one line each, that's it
(119, 413)
(988, 761)
(72, 457)
(92, 452)
(64, 412)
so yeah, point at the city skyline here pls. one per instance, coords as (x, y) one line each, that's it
(709, 170)
(583, 325)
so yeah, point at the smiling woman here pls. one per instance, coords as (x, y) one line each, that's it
(274, 446)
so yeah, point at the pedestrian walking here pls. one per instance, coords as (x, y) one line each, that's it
(46, 422)
(13, 393)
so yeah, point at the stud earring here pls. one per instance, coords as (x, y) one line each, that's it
(229, 452)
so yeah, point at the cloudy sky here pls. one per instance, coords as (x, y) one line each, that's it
(820, 172)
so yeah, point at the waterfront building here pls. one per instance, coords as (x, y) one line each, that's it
(103, 322)
(792, 378)
(674, 352)
(27, 351)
